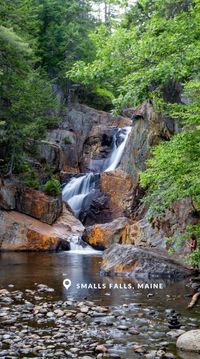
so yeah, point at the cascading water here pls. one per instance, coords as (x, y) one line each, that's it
(76, 190)
(113, 161)
(78, 245)
(80, 187)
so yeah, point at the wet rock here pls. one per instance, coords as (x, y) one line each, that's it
(21, 232)
(189, 341)
(101, 348)
(175, 333)
(128, 259)
(88, 125)
(95, 209)
(161, 354)
(44, 288)
(104, 235)
(133, 331)
(138, 349)
(117, 185)
(170, 356)
(151, 355)
(84, 309)
(122, 327)
(38, 205)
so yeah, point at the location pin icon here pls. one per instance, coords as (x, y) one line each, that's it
(67, 283)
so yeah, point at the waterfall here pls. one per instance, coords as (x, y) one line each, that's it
(78, 245)
(113, 161)
(80, 187)
(76, 190)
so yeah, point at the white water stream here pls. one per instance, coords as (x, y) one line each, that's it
(80, 187)
(77, 245)
(76, 190)
(114, 159)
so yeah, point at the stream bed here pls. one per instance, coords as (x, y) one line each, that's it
(132, 324)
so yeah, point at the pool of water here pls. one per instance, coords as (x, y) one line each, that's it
(25, 270)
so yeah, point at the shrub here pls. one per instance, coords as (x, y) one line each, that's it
(31, 179)
(52, 187)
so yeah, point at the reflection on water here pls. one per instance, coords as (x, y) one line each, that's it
(24, 270)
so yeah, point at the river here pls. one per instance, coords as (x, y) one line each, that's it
(145, 308)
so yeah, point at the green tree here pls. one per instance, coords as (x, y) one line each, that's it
(143, 59)
(173, 172)
(22, 17)
(63, 35)
(25, 97)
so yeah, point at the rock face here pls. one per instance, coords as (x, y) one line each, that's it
(189, 341)
(81, 142)
(170, 225)
(83, 133)
(38, 205)
(95, 209)
(7, 195)
(49, 153)
(21, 232)
(118, 187)
(135, 261)
(66, 140)
(102, 236)
(86, 122)
(148, 129)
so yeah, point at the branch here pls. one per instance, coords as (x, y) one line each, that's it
(194, 300)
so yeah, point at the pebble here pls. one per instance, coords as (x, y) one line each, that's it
(175, 333)
(101, 348)
(37, 326)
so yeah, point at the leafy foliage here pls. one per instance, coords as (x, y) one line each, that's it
(52, 187)
(63, 34)
(173, 172)
(25, 95)
(39, 40)
(137, 60)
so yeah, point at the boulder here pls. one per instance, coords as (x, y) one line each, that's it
(7, 194)
(136, 261)
(118, 187)
(19, 232)
(95, 209)
(104, 235)
(161, 229)
(67, 142)
(49, 153)
(67, 225)
(96, 148)
(189, 341)
(38, 205)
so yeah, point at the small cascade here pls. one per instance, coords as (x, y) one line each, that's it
(77, 189)
(78, 245)
(113, 161)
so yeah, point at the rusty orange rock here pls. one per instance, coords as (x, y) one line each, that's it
(38, 205)
(19, 232)
(104, 235)
(118, 186)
